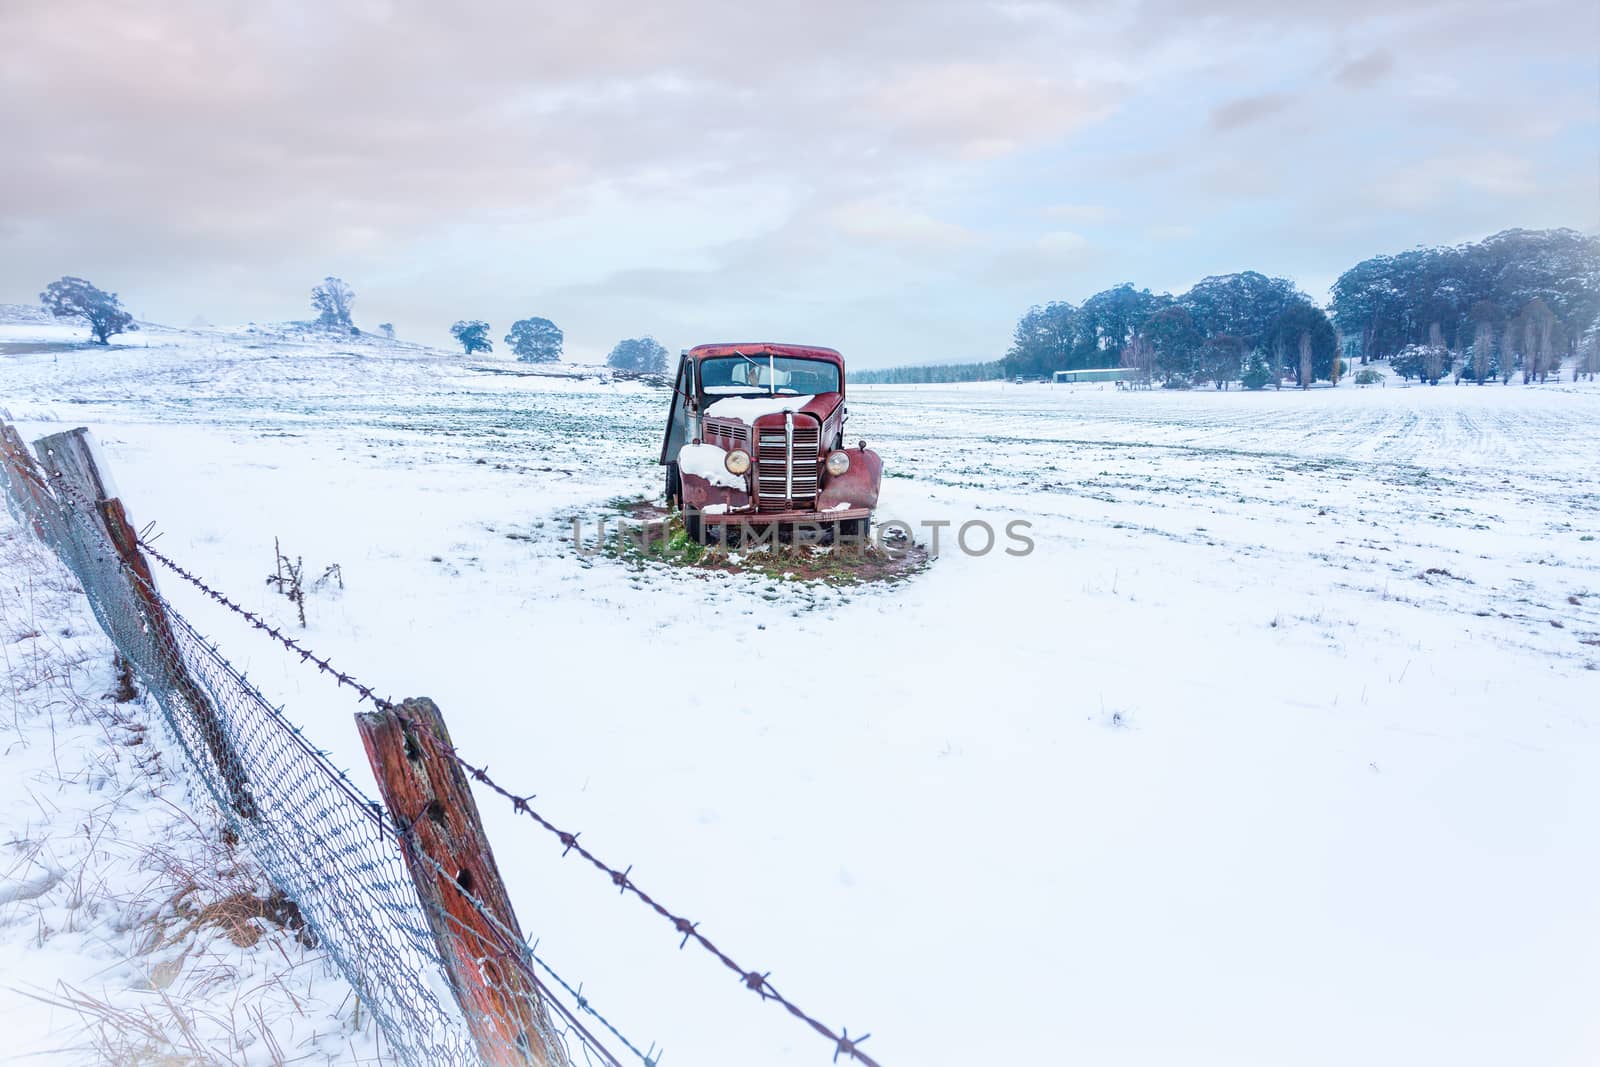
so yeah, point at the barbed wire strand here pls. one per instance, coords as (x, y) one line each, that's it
(508, 940)
(757, 981)
(80, 530)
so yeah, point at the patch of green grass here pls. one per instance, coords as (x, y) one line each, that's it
(637, 534)
(624, 505)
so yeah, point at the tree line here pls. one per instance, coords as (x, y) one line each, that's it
(930, 373)
(532, 340)
(1227, 328)
(1520, 301)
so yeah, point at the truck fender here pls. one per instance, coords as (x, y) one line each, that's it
(699, 494)
(857, 486)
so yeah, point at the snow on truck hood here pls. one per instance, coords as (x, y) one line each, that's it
(748, 409)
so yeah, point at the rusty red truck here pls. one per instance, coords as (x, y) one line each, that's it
(755, 437)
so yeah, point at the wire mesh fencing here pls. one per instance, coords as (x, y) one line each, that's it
(446, 972)
(336, 854)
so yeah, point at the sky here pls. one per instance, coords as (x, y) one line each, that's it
(899, 180)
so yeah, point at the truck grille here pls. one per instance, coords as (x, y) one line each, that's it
(730, 434)
(771, 467)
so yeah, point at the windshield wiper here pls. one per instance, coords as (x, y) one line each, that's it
(772, 371)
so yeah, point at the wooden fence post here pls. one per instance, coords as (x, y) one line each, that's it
(73, 457)
(27, 482)
(430, 799)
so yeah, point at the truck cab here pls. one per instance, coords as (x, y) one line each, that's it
(755, 436)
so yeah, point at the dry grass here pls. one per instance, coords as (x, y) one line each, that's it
(208, 962)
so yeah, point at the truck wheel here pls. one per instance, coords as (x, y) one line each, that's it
(674, 487)
(861, 528)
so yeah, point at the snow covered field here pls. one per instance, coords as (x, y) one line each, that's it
(130, 930)
(1280, 747)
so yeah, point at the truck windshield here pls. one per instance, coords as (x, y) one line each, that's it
(742, 375)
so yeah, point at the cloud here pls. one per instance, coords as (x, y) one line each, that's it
(890, 223)
(702, 164)
(1366, 70)
(982, 110)
(1061, 243)
(1080, 213)
(1247, 110)
(1486, 173)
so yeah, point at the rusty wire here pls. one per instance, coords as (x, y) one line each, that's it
(314, 828)
(757, 981)
(276, 633)
(507, 940)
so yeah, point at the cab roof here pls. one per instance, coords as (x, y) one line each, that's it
(761, 348)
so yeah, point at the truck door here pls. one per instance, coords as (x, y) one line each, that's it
(678, 417)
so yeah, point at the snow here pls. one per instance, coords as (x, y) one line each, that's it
(709, 462)
(106, 864)
(748, 409)
(1289, 718)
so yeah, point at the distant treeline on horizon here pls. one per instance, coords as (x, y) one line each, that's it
(1504, 296)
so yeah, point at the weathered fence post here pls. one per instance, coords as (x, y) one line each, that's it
(431, 801)
(72, 458)
(26, 483)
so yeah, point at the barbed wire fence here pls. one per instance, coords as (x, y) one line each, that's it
(446, 973)
(755, 980)
(338, 855)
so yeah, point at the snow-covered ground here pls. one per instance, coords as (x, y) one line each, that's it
(131, 931)
(1280, 746)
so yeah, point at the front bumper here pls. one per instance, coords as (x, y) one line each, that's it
(783, 518)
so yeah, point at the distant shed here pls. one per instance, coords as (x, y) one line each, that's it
(1101, 374)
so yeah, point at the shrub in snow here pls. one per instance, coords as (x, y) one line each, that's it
(1257, 371)
(1426, 363)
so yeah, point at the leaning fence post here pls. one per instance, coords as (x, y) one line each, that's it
(447, 852)
(24, 481)
(73, 459)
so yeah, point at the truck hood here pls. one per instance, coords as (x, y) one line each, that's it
(747, 409)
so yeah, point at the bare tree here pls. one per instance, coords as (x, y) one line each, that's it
(1539, 357)
(1138, 355)
(1508, 344)
(1433, 357)
(1590, 363)
(1530, 348)
(1549, 354)
(1482, 344)
(1305, 359)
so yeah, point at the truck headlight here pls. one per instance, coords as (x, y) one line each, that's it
(838, 463)
(737, 461)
